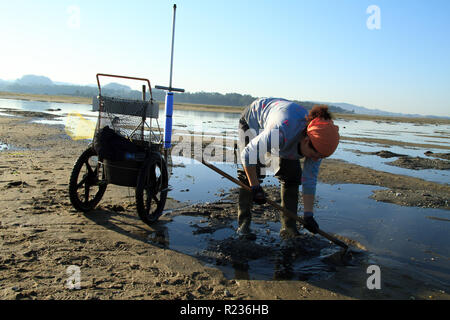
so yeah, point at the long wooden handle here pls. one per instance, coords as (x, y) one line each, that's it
(274, 204)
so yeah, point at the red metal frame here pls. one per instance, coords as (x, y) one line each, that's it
(122, 77)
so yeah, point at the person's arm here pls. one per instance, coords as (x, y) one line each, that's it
(258, 146)
(308, 202)
(309, 182)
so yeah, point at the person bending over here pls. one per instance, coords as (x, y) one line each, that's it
(288, 132)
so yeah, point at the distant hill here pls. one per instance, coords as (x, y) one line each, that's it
(36, 84)
(33, 80)
(376, 112)
(117, 86)
(4, 83)
(362, 110)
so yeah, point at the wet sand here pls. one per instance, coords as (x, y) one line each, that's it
(395, 143)
(445, 156)
(44, 98)
(42, 235)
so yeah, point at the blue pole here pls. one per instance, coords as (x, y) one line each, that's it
(169, 94)
(168, 126)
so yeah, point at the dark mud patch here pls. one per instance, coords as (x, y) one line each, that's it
(445, 156)
(225, 210)
(236, 253)
(438, 218)
(414, 163)
(16, 184)
(387, 142)
(428, 194)
(418, 163)
(307, 257)
(29, 114)
(414, 198)
(351, 243)
(383, 153)
(268, 257)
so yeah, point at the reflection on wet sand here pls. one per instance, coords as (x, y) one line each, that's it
(207, 231)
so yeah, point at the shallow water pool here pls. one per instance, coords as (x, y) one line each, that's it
(414, 240)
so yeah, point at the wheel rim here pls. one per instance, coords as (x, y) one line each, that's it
(89, 182)
(154, 194)
(86, 187)
(154, 191)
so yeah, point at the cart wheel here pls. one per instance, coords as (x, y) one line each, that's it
(85, 188)
(152, 189)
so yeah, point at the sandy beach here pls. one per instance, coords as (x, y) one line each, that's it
(42, 235)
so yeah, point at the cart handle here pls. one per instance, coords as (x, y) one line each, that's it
(122, 77)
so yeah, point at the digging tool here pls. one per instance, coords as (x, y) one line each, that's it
(277, 206)
(169, 94)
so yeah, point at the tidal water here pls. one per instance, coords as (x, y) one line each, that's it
(213, 124)
(408, 238)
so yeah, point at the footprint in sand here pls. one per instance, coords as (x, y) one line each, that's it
(14, 184)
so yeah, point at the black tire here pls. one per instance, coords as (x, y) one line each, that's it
(85, 176)
(152, 189)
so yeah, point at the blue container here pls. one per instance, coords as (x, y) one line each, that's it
(168, 126)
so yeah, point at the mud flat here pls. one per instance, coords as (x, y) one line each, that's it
(118, 256)
(45, 98)
(418, 163)
(414, 163)
(402, 190)
(438, 155)
(216, 108)
(389, 119)
(394, 142)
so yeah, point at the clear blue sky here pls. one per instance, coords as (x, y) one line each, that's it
(307, 50)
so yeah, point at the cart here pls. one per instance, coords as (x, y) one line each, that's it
(144, 170)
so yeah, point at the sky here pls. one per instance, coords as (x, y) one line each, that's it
(380, 54)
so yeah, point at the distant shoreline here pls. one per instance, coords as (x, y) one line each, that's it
(88, 101)
(214, 108)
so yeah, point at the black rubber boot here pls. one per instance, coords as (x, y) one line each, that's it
(289, 200)
(245, 215)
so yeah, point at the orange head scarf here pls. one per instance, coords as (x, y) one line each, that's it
(324, 135)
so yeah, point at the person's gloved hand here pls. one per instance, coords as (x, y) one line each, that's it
(259, 196)
(310, 223)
